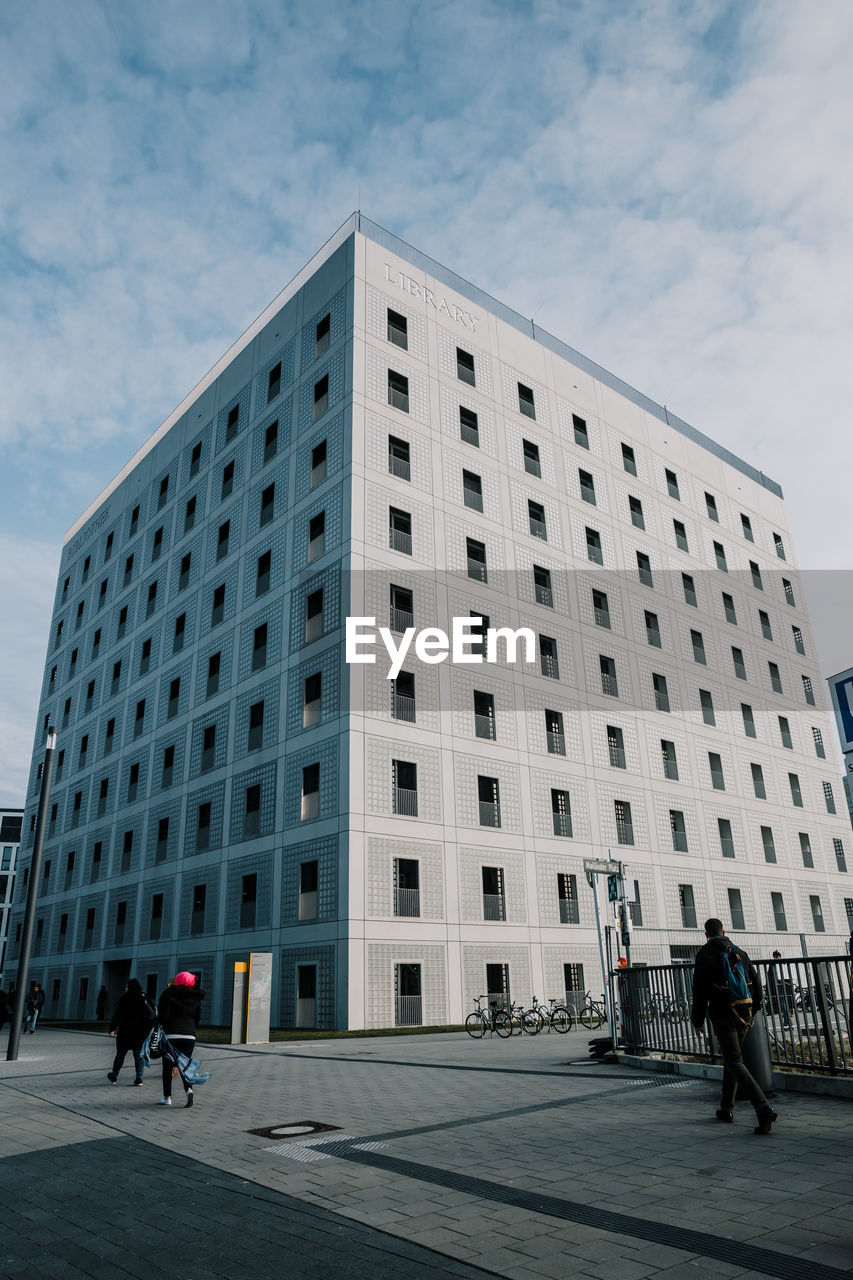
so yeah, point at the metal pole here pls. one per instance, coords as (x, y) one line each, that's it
(626, 919)
(32, 896)
(610, 993)
(592, 879)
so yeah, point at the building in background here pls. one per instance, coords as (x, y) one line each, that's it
(387, 441)
(10, 840)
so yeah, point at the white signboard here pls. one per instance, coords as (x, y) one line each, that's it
(601, 866)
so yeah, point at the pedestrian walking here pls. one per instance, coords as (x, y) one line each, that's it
(5, 1009)
(101, 1004)
(179, 1011)
(727, 988)
(33, 1005)
(130, 1025)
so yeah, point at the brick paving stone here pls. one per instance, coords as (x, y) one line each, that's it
(466, 1150)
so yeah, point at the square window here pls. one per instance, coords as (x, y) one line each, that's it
(399, 458)
(400, 530)
(233, 424)
(271, 441)
(526, 403)
(263, 575)
(536, 519)
(472, 490)
(398, 329)
(469, 429)
(259, 647)
(267, 506)
(593, 546)
(318, 464)
(531, 458)
(398, 391)
(465, 367)
(476, 555)
(322, 335)
(321, 397)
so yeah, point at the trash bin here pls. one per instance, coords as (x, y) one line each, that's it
(756, 1055)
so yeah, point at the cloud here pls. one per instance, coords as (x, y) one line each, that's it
(665, 185)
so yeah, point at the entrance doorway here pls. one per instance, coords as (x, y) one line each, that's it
(306, 996)
(116, 974)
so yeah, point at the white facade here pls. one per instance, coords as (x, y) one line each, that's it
(452, 940)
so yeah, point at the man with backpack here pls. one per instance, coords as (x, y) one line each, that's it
(727, 988)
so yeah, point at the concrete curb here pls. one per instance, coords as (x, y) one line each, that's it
(789, 1082)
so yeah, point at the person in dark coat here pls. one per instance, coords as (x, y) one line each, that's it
(711, 996)
(101, 1004)
(130, 1025)
(33, 1005)
(5, 1009)
(179, 1011)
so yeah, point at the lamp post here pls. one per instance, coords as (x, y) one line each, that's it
(32, 896)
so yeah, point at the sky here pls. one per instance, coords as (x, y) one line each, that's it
(667, 186)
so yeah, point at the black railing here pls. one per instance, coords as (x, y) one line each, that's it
(806, 1008)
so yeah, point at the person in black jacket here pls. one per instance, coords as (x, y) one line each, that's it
(711, 995)
(130, 1025)
(179, 1011)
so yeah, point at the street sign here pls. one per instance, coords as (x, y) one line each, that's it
(614, 887)
(601, 866)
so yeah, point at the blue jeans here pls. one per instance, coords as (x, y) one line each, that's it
(122, 1051)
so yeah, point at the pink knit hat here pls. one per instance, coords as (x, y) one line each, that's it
(184, 979)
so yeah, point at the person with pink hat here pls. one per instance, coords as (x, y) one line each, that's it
(179, 1011)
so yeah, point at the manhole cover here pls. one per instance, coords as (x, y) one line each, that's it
(293, 1129)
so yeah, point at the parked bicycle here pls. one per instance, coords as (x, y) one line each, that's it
(663, 1006)
(805, 999)
(593, 1012)
(523, 1020)
(488, 1019)
(553, 1015)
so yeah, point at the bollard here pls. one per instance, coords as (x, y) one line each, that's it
(756, 1055)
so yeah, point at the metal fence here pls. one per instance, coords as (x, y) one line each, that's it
(806, 1011)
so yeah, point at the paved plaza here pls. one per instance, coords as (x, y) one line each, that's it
(445, 1157)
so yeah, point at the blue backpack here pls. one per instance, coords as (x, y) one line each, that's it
(736, 985)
